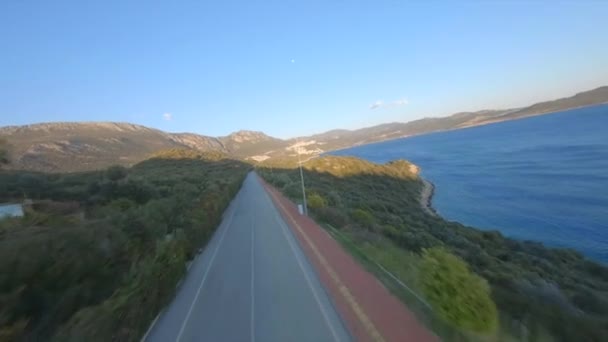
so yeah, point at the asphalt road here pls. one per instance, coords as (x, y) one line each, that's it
(252, 283)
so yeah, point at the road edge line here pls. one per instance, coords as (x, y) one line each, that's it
(189, 265)
(252, 323)
(307, 277)
(143, 339)
(369, 326)
(198, 292)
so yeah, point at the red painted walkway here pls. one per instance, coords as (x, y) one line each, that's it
(369, 310)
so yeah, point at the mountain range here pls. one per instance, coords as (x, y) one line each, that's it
(71, 146)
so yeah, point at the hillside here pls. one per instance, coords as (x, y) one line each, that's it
(81, 146)
(587, 98)
(94, 145)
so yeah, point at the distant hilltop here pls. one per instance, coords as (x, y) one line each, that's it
(81, 146)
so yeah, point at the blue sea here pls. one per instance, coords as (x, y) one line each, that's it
(543, 178)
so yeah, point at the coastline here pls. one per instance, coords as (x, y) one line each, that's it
(457, 128)
(426, 197)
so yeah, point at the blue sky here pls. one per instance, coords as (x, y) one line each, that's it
(290, 68)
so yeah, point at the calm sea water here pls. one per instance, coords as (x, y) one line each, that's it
(543, 178)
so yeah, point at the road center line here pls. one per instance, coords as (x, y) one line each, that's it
(198, 292)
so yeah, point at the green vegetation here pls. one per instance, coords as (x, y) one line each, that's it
(458, 295)
(363, 218)
(315, 201)
(541, 293)
(100, 253)
(116, 173)
(3, 152)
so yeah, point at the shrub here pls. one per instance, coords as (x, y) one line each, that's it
(293, 190)
(390, 231)
(362, 217)
(459, 296)
(122, 204)
(13, 332)
(135, 190)
(126, 314)
(32, 184)
(315, 201)
(334, 199)
(281, 180)
(3, 152)
(115, 173)
(415, 241)
(3, 157)
(332, 216)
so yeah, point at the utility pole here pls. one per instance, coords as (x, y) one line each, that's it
(300, 164)
(303, 188)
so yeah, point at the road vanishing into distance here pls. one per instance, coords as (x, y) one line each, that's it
(251, 283)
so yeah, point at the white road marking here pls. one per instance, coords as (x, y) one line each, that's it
(198, 292)
(143, 339)
(252, 282)
(308, 281)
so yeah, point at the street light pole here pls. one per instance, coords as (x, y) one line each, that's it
(303, 188)
(301, 171)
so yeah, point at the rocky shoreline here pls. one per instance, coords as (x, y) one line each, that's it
(426, 197)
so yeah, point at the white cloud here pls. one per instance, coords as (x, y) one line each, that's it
(396, 103)
(168, 116)
(400, 102)
(376, 105)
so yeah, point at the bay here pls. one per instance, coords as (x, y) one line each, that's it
(542, 178)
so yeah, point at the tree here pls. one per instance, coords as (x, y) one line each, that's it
(363, 217)
(32, 184)
(122, 204)
(3, 153)
(332, 216)
(459, 296)
(115, 173)
(316, 201)
(281, 180)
